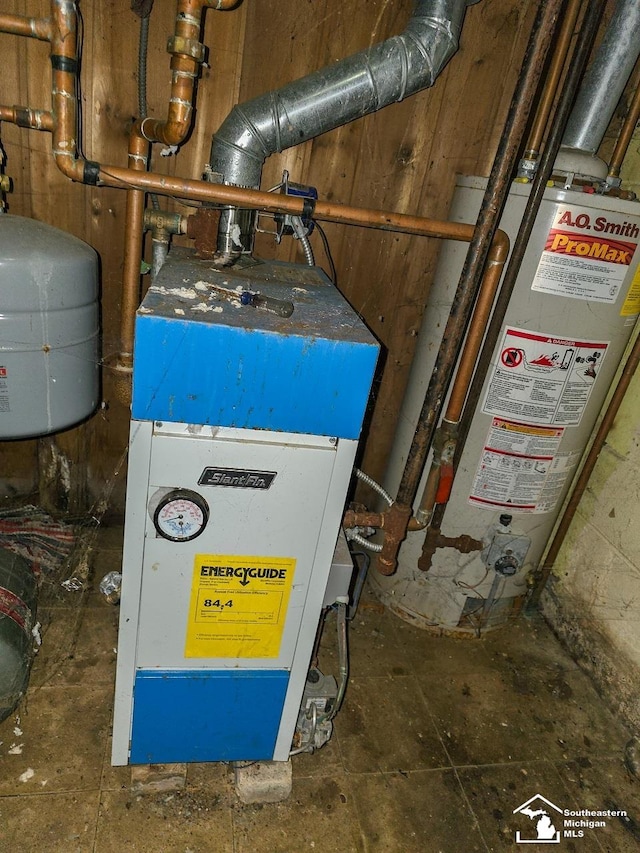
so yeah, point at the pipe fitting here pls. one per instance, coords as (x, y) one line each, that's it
(172, 223)
(463, 544)
(395, 529)
(186, 47)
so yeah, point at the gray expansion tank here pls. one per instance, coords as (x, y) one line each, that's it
(48, 328)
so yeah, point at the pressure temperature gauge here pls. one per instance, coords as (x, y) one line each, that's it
(181, 515)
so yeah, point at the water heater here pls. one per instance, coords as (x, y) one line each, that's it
(571, 315)
(249, 391)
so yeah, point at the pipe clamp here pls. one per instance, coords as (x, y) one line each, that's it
(186, 47)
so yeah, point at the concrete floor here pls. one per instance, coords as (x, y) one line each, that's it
(437, 743)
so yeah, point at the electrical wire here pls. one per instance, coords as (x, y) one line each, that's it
(143, 44)
(365, 478)
(308, 746)
(370, 546)
(327, 250)
(343, 654)
(363, 570)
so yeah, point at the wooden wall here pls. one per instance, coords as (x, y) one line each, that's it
(404, 158)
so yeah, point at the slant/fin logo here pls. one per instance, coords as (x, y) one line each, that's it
(237, 478)
(586, 246)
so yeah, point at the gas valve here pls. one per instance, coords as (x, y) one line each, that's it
(506, 551)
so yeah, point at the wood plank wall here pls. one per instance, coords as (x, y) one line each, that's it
(404, 158)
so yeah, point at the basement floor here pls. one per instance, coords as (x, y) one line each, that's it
(438, 742)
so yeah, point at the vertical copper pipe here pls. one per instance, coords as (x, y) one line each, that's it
(552, 80)
(186, 56)
(464, 374)
(473, 341)
(626, 133)
(134, 236)
(64, 63)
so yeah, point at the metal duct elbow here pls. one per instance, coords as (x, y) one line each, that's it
(335, 95)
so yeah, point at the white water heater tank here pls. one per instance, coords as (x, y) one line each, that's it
(49, 328)
(572, 312)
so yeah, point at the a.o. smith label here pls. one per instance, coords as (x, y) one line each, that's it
(237, 478)
(586, 256)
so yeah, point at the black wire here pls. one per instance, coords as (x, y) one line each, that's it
(78, 82)
(143, 44)
(327, 250)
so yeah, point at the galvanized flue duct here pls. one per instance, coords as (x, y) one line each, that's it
(332, 97)
(605, 79)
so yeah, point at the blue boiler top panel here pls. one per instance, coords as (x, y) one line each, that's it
(207, 350)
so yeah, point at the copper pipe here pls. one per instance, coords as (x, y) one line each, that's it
(552, 80)
(134, 236)
(464, 375)
(477, 328)
(353, 518)
(64, 39)
(115, 176)
(25, 117)
(18, 25)
(187, 54)
(582, 482)
(626, 133)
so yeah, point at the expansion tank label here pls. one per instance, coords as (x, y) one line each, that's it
(4, 390)
(540, 379)
(587, 255)
(238, 606)
(520, 468)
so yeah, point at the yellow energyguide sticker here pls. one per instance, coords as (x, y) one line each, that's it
(631, 305)
(238, 606)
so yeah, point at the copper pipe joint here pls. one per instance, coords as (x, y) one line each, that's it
(353, 518)
(395, 527)
(25, 117)
(464, 544)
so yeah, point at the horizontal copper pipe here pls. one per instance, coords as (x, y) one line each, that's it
(25, 117)
(19, 25)
(115, 176)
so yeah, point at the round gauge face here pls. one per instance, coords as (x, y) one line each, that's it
(181, 515)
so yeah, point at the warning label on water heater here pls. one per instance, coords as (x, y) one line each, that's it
(541, 379)
(238, 606)
(586, 256)
(520, 468)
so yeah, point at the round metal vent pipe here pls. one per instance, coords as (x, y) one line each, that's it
(605, 79)
(332, 97)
